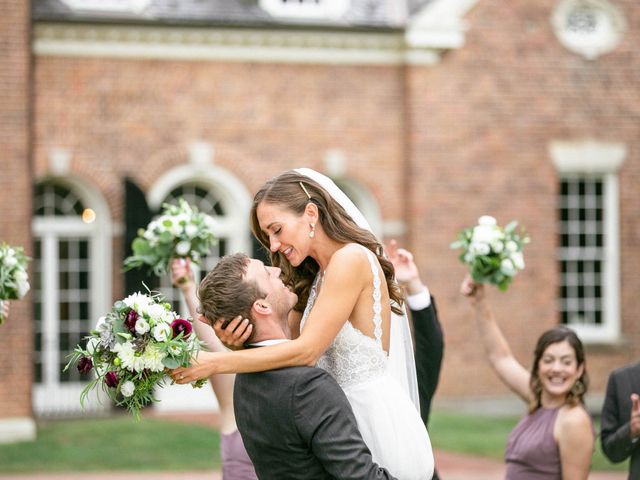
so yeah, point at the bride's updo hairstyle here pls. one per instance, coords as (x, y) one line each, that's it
(286, 190)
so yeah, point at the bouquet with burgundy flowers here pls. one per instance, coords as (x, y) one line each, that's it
(181, 231)
(131, 347)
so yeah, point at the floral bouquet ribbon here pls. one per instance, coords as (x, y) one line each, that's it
(179, 232)
(493, 254)
(14, 281)
(131, 347)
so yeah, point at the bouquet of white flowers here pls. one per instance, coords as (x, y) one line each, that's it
(14, 282)
(179, 232)
(494, 254)
(130, 348)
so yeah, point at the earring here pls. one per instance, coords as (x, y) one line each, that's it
(312, 233)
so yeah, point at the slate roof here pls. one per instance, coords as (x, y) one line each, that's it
(361, 14)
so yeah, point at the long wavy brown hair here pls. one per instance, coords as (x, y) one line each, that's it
(556, 335)
(286, 190)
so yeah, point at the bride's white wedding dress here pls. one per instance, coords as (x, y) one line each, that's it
(388, 420)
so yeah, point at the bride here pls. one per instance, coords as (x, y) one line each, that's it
(353, 323)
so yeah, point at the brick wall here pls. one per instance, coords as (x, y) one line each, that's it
(15, 199)
(482, 121)
(479, 126)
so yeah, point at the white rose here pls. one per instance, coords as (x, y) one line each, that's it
(10, 260)
(484, 233)
(155, 311)
(168, 316)
(137, 301)
(183, 248)
(23, 288)
(468, 257)
(161, 332)
(518, 260)
(480, 248)
(512, 246)
(191, 230)
(127, 388)
(21, 276)
(487, 220)
(506, 267)
(497, 246)
(142, 326)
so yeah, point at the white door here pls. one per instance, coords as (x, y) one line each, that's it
(67, 298)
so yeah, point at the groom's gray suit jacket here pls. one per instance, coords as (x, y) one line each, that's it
(296, 423)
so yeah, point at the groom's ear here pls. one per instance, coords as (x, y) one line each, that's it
(261, 307)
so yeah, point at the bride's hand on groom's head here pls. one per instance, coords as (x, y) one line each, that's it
(233, 334)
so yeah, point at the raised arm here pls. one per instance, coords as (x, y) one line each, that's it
(344, 280)
(499, 354)
(182, 277)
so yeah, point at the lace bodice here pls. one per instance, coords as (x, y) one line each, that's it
(353, 357)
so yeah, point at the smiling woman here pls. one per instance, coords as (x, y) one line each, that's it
(556, 439)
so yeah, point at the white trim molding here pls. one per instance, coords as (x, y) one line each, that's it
(439, 25)
(17, 429)
(600, 159)
(587, 156)
(226, 44)
(112, 6)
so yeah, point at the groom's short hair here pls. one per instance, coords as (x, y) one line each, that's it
(225, 293)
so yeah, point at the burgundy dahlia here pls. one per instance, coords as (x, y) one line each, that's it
(181, 326)
(85, 365)
(130, 321)
(111, 379)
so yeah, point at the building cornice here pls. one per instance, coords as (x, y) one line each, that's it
(228, 44)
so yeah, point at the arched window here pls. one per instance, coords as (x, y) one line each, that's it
(71, 287)
(216, 192)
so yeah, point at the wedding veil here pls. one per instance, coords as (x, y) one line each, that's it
(402, 364)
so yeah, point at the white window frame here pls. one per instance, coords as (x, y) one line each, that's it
(51, 396)
(590, 158)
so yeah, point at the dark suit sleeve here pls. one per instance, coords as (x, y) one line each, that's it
(429, 351)
(615, 427)
(326, 422)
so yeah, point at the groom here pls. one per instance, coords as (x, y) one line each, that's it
(296, 422)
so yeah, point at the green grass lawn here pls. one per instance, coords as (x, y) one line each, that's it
(119, 443)
(487, 436)
(114, 444)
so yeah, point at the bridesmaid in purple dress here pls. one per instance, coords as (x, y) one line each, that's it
(556, 439)
(236, 464)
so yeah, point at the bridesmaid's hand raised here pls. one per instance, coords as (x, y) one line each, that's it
(234, 333)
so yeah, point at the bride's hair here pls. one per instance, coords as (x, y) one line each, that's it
(294, 191)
